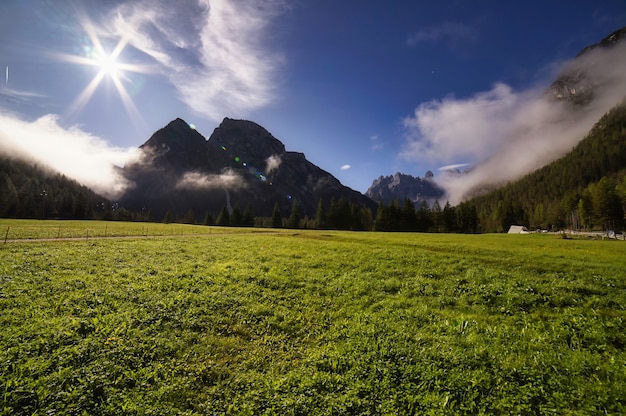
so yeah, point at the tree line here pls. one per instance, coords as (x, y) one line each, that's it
(401, 216)
(28, 190)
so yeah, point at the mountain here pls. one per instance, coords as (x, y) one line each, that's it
(579, 81)
(387, 189)
(240, 164)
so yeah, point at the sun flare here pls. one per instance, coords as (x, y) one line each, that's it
(108, 65)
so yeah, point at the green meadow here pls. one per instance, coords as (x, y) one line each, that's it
(208, 321)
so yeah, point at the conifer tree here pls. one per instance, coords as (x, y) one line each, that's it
(208, 219)
(190, 217)
(437, 216)
(320, 216)
(277, 218)
(236, 217)
(248, 217)
(294, 218)
(223, 218)
(169, 217)
(449, 218)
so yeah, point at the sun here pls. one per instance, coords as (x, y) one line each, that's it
(108, 65)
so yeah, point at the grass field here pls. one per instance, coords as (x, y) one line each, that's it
(311, 323)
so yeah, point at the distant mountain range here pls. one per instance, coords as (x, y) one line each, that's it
(398, 187)
(240, 164)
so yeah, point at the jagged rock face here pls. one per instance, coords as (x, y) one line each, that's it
(176, 146)
(577, 84)
(238, 141)
(240, 164)
(387, 189)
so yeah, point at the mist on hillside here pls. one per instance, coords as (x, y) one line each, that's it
(79, 155)
(505, 134)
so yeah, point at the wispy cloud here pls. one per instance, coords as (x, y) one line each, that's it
(505, 133)
(453, 167)
(450, 33)
(71, 151)
(214, 52)
(196, 180)
(376, 144)
(20, 96)
(346, 167)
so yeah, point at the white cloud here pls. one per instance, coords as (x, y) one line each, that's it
(71, 151)
(453, 167)
(272, 163)
(214, 52)
(345, 167)
(451, 129)
(196, 180)
(506, 134)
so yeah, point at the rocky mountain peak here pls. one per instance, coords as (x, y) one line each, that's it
(609, 41)
(578, 82)
(175, 147)
(386, 189)
(245, 140)
(178, 135)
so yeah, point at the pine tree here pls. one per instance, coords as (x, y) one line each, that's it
(236, 217)
(169, 217)
(384, 218)
(8, 196)
(437, 215)
(424, 218)
(449, 218)
(409, 220)
(320, 216)
(248, 217)
(208, 219)
(223, 219)
(607, 206)
(366, 218)
(294, 218)
(277, 218)
(190, 217)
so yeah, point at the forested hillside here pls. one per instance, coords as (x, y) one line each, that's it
(584, 190)
(29, 190)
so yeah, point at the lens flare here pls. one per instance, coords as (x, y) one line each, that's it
(109, 66)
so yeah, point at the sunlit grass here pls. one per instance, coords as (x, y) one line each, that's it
(54, 229)
(308, 322)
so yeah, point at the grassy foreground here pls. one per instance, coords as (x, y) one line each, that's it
(313, 323)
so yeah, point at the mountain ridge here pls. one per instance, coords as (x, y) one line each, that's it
(241, 163)
(399, 186)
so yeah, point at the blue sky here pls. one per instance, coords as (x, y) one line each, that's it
(363, 88)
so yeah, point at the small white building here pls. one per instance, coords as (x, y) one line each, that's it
(518, 229)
